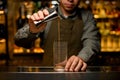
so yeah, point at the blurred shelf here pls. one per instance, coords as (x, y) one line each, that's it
(110, 53)
(27, 54)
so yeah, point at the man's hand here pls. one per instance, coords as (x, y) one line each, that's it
(75, 64)
(36, 17)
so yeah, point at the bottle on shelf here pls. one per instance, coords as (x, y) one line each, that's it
(106, 14)
(30, 6)
(22, 17)
(21, 20)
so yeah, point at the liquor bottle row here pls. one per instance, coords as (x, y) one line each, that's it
(107, 15)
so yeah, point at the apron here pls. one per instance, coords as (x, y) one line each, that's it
(70, 31)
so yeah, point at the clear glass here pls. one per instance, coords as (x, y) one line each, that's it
(59, 55)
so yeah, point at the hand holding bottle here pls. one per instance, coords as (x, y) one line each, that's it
(40, 15)
(38, 20)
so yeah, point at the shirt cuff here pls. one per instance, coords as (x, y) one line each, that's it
(85, 54)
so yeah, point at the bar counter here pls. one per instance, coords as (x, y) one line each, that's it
(47, 73)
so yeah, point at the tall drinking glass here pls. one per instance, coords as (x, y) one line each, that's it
(59, 55)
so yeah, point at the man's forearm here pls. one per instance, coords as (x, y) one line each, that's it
(24, 38)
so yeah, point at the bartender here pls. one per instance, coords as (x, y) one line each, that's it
(77, 27)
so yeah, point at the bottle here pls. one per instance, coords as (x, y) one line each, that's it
(21, 20)
(22, 17)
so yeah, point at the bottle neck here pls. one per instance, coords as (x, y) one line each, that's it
(22, 12)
